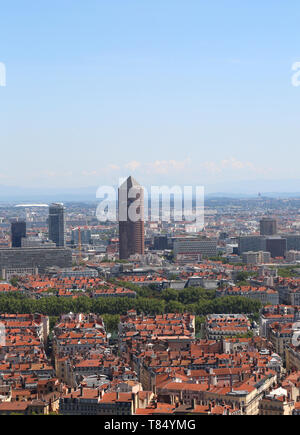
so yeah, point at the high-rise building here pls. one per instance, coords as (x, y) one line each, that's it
(18, 231)
(251, 243)
(131, 218)
(293, 241)
(268, 227)
(276, 246)
(161, 243)
(56, 224)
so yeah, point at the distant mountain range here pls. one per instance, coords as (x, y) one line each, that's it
(241, 190)
(277, 195)
(15, 194)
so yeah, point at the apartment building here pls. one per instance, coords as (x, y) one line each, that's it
(218, 326)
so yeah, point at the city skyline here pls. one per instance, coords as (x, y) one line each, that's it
(243, 189)
(149, 210)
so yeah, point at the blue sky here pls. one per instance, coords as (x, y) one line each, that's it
(189, 92)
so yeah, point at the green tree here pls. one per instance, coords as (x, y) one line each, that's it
(170, 295)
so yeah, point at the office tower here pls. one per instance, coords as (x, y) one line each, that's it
(251, 243)
(268, 227)
(293, 241)
(40, 258)
(276, 246)
(131, 218)
(161, 243)
(194, 247)
(18, 231)
(56, 224)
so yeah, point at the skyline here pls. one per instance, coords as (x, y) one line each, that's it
(100, 91)
(246, 189)
(149, 210)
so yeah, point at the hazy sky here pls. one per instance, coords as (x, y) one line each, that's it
(170, 91)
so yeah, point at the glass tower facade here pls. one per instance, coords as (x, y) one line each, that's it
(18, 231)
(56, 224)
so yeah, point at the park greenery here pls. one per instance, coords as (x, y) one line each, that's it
(197, 301)
(149, 300)
(242, 277)
(288, 272)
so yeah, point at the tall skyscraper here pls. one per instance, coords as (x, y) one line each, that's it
(56, 224)
(18, 231)
(268, 227)
(131, 218)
